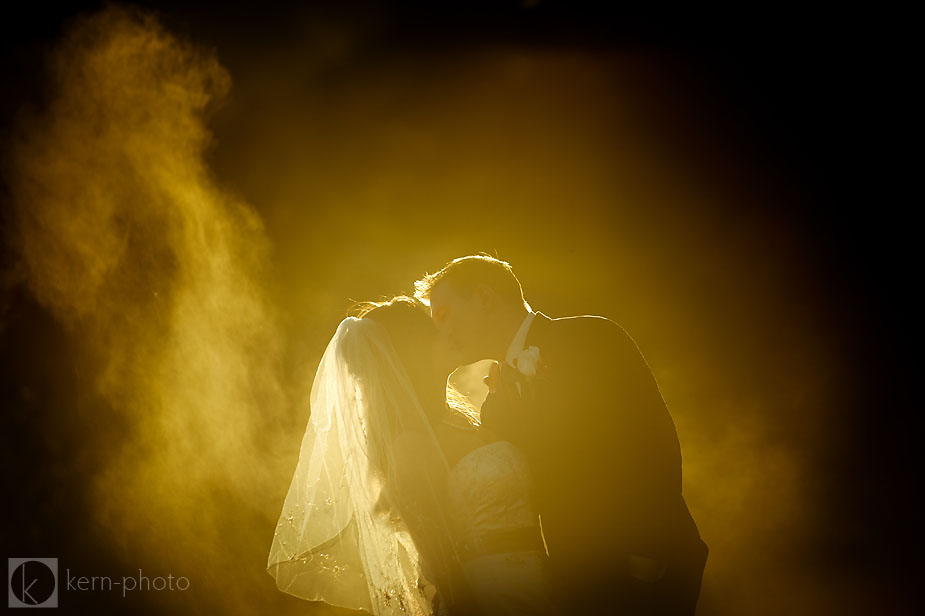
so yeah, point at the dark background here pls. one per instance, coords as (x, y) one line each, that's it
(810, 108)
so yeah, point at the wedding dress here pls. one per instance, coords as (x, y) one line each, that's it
(339, 539)
(494, 521)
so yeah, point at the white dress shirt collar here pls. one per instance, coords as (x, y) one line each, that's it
(517, 345)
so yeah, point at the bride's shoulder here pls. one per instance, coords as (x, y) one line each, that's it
(457, 421)
(417, 455)
(460, 427)
(457, 440)
(413, 446)
(455, 430)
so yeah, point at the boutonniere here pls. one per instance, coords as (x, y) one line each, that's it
(527, 361)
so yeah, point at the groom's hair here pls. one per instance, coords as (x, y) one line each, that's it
(466, 273)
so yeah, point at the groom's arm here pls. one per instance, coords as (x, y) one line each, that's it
(619, 462)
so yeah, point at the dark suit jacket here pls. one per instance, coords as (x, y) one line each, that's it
(606, 462)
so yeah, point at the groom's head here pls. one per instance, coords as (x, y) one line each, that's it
(477, 303)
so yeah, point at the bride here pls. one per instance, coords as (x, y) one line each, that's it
(400, 503)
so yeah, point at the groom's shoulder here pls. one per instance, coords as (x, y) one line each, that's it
(584, 322)
(590, 329)
(594, 342)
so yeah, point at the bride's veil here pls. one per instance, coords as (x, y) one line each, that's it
(341, 536)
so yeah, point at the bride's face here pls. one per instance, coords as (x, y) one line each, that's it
(445, 357)
(429, 361)
(458, 320)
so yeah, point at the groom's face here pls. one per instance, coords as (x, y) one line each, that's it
(459, 319)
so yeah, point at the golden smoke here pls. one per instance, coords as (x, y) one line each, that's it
(126, 238)
(552, 157)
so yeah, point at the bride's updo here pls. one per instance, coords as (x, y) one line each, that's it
(413, 334)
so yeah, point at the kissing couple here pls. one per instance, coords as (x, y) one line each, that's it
(561, 495)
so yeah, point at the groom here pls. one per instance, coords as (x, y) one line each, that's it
(579, 399)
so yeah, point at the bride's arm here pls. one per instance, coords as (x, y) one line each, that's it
(417, 489)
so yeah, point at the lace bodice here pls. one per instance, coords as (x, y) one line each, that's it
(489, 490)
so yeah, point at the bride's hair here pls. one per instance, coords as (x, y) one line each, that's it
(412, 333)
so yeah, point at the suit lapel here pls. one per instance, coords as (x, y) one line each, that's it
(501, 419)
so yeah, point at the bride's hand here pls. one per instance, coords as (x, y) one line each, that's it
(384, 507)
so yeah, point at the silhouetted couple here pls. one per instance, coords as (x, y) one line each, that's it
(562, 495)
